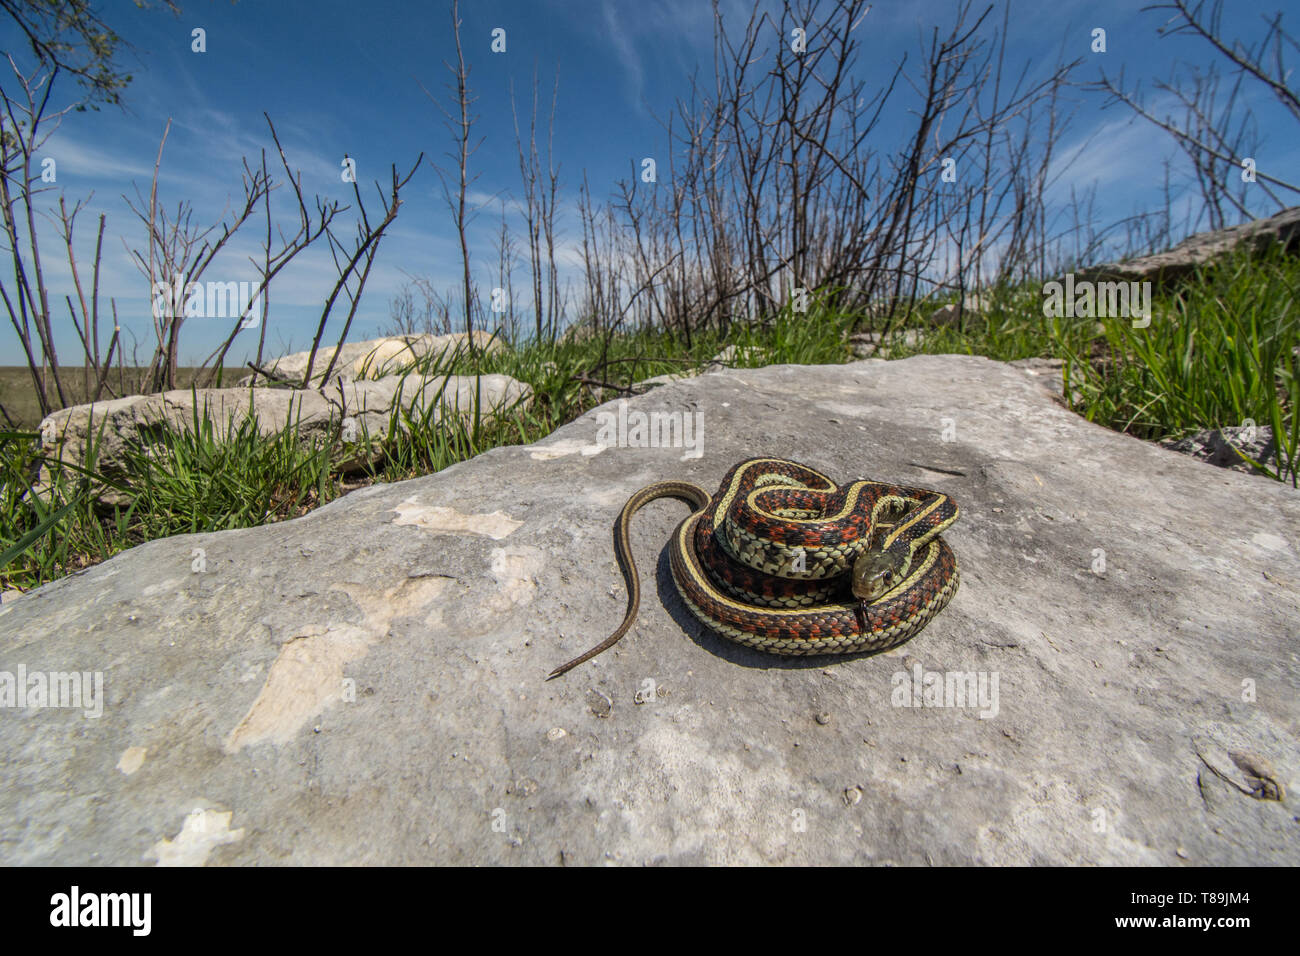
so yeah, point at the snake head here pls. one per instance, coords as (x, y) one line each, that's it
(875, 574)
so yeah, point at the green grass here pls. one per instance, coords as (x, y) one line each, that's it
(201, 478)
(1012, 327)
(1222, 350)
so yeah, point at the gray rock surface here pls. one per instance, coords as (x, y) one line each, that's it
(1048, 372)
(1220, 447)
(1175, 263)
(365, 684)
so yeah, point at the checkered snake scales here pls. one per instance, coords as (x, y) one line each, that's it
(772, 560)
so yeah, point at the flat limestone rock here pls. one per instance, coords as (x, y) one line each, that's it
(366, 684)
(117, 425)
(374, 358)
(1202, 248)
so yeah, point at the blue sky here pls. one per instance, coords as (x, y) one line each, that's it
(345, 77)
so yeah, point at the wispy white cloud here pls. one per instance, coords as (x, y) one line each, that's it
(625, 47)
(89, 161)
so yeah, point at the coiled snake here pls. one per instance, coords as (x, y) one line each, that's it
(784, 561)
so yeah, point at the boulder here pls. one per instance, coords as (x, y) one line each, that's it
(366, 684)
(317, 414)
(869, 344)
(1166, 267)
(373, 358)
(972, 304)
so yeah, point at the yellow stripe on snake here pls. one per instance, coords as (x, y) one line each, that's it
(784, 561)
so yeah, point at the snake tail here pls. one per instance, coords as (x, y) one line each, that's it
(683, 490)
